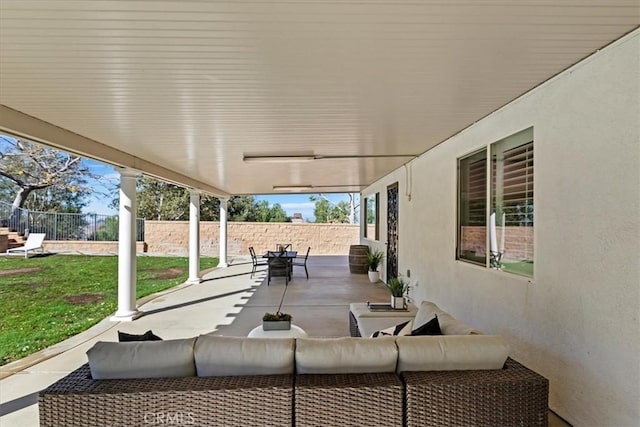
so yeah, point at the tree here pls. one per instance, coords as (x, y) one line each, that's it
(162, 201)
(321, 210)
(242, 208)
(328, 211)
(263, 211)
(31, 167)
(278, 214)
(54, 179)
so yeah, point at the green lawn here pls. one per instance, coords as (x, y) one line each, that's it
(522, 268)
(47, 299)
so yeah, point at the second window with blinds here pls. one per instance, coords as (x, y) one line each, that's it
(495, 205)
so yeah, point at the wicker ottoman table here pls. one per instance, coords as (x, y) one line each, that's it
(364, 322)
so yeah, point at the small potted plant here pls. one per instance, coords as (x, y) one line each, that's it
(276, 321)
(374, 258)
(399, 289)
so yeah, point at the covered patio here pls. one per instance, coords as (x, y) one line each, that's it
(421, 107)
(228, 302)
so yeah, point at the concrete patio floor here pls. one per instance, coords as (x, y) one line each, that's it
(227, 302)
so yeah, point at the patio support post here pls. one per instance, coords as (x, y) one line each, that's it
(127, 310)
(223, 233)
(194, 237)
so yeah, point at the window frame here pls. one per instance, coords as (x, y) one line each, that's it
(459, 212)
(502, 194)
(375, 197)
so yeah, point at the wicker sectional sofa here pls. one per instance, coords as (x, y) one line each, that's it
(231, 381)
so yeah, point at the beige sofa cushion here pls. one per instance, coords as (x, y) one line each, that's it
(142, 359)
(451, 353)
(426, 311)
(345, 355)
(448, 324)
(223, 356)
(452, 326)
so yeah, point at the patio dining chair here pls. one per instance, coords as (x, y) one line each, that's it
(303, 262)
(255, 261)
(284, 247)
(279, 265)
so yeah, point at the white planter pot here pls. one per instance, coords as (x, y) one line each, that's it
(374, 276)
(276, 325)
(397, 302)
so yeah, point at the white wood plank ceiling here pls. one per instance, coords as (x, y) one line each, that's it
(192, 86)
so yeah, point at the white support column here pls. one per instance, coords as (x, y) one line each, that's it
(127, 310)
(223, 233)
(194, 237)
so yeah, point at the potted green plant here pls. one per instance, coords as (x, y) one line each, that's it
(276, 321)
(374, 258)
(398, 288)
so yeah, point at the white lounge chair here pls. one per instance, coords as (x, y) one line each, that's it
(34, 242)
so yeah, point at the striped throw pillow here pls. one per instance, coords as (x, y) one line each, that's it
(401, 329)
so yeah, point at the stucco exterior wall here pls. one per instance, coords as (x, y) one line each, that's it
(172, 237)
(578, 320)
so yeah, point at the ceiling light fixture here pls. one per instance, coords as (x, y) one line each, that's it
(278, 159)
(340, 186)
(292, 187)
(313, 187)
(310, 157)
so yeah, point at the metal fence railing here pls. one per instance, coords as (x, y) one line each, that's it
(64, 226)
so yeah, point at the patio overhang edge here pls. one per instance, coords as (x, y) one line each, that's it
(32, 128)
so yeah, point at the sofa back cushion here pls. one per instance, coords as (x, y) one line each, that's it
(448, 324)
(451, 353)
(142, 359)
(426, 312)
(345, 355)
(225, 356)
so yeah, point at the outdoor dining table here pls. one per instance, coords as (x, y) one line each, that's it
(274, 254)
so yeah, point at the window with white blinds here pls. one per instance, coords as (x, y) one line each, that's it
(513, 193)
(506, 228)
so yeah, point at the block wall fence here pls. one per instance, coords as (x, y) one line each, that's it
(518, 241)
(172, 237)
